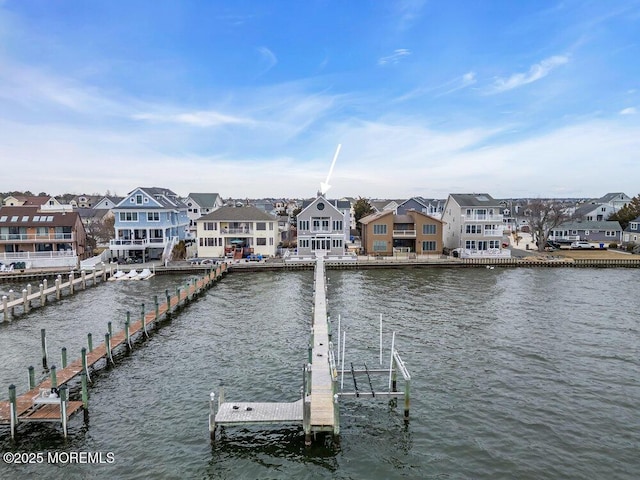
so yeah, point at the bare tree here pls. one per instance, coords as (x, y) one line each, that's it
(544, 216)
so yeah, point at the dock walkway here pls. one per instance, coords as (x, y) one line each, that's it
(317, 410)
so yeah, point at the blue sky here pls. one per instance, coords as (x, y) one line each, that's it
(252, 98)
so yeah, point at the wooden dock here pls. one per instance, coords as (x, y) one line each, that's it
(44, 293)
(37, 405)
(317, 409)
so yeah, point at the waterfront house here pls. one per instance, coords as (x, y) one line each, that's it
(32, 201)
(149, 222)
(474, 224)
(41, 238)
(199, 204)
(601, 232)
(237, 232)
(631, 234)
(431, 207)
(323, 226)
(387, 233)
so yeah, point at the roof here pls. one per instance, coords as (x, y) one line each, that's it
(238, 214)
(588, 208)
(474, 200)
(165, 197)
(590, 225)
(339, 204)
(32, 200)
(206, 200)
(95, 213)
(612, 196)
(375, 216)
(32, 216)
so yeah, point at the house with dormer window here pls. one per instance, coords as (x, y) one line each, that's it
(148, 223)
(323, 227)
(198, 205)
(474, 224)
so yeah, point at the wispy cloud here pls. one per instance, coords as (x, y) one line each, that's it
(268, 59)
(197, 119)
(458, 83)
(535, 73)
(408, 12)
(628, 111)
(395, 57)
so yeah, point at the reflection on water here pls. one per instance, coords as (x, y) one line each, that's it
(520, 373)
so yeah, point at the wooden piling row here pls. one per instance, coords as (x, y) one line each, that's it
(28, 296)
(37, 404)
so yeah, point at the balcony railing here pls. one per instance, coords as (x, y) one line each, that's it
(404, 234)
(483, 218)
(242, 230)
(35, 237)
(138, 243)
(496, 232)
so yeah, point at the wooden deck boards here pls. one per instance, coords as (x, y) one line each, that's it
(239, 413)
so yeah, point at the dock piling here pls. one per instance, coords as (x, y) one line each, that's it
(42, 296)
(157, 305)
(83, 274)
(107, 343)
(127, 336)
(58, 282)
(64, 357)
(32, 378)
(85, 391)
(212, 416)
(144, 323)
(43, 341)
(25, 303)
(54, 377)
(90, 342)
(71, 278)
(63, 408)
(12, 409)
(4, 308)
(85, 367)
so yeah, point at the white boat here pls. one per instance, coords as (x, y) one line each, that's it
(145, 274)
(132, 275)
(118, 275)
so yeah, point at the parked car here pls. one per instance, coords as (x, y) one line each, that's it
(580, 245)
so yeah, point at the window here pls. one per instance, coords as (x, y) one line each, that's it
(379, 245)
(261, 226)
(36, 218)
(304, 242)
(470, 244)
(271, 226)
(428, 230)
(586, 232)
(25, 218)
(261, 241)
(380, 230)
(128, 216)
(320, 224)
(138, 199)
(303, 224)
(3, 218)
(428, 246)
(609, 233)
(632, 225)
(271, 241)
(153, 216)
(494, 243)
(337, 243)
(337, 224)
(473, 229)
(210, 226)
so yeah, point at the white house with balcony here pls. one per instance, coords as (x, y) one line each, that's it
(323, 227)
(237, 232)
(199, 204)
(474, 225)
(148, 223)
